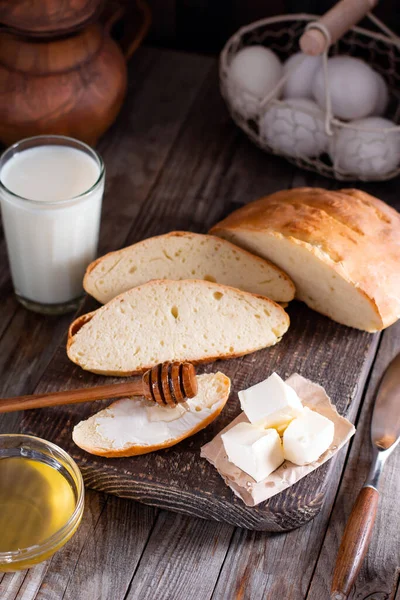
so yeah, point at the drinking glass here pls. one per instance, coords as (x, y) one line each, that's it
(50, 238)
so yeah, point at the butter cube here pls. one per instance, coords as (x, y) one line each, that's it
(271, 403)
(307, 437)
(257, 452)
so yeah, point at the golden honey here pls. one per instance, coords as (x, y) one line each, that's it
(41, 500)
(36, 500)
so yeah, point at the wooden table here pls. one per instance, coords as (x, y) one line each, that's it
(175, 147)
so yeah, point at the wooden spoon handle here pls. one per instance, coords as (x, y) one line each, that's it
(166, 383)
(354, 543)
(113, 390)
(339, 19)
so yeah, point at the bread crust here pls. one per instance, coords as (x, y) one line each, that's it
(202, 361)
(185, 234)
(77, 325)
(354, 233)
(82, 320)
(137, 449)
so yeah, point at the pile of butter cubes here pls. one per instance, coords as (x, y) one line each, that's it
(280, 428)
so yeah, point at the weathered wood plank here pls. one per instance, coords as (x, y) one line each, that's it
(112, 533)
(201, 153)
(61, 567)
(48, 580)
(26, 348)
(260, 565)
(111, 552)
(379, 576)
(207, 174)
(182, 559)
(22, 585)
(136, 148)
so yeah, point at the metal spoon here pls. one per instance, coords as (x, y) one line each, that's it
(385, 435)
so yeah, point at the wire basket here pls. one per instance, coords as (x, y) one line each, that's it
(281, 34)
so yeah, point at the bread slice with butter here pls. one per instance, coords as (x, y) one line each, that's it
(189, 320)
(341, 249)
(185, 255)
(133, 426)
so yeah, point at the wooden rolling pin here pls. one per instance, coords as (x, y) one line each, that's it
(333, 24)
(168, 384)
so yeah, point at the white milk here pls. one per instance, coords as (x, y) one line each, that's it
(50, 241)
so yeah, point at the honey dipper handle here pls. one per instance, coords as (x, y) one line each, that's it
(113, 390)
(355, 542)
(335, 22)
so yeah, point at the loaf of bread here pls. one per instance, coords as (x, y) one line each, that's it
(165, 320)
(341, 249)
(184, 255)
(134, 426)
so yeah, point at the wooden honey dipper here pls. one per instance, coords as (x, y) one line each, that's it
(168, 384)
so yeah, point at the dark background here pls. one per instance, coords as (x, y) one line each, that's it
(205, 25)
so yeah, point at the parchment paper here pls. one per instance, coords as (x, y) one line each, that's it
(244, 486)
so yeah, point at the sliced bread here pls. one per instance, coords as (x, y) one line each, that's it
(184, 255)
(134, 426)
(165, 320)
(341, 248)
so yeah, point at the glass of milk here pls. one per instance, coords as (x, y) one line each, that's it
(51, 189)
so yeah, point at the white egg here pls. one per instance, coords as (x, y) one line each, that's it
(303, 69)
(352, 87)
(383, 95)
(297, 129)
(253, 73)
(366, 153)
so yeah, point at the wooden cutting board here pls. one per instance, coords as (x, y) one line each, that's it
(177, 478)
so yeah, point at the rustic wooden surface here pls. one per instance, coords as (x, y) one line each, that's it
(174, 148)
(315, 346)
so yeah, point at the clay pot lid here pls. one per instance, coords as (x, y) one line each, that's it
(41, 57)
(48, 17)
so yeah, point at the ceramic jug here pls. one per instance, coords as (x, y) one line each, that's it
(71, 85)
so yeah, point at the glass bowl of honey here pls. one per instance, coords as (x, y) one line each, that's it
(41, 500)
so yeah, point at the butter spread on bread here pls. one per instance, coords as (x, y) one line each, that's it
(341, 249)
(184, 255)
(126, 428)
